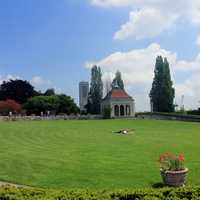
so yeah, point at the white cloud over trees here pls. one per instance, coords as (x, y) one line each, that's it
(149, 18)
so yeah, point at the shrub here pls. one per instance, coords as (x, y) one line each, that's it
(107, 113)
(55, 103)
(11, 193)
(194, 112)
(9, 106)
(39, 104)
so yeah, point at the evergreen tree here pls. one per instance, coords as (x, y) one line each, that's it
(169, 91)
(162, 92)
(96, 91)
(118, 80)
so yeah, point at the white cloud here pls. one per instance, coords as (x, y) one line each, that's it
(149, 18)
(36, 81)
(39, 81)
(58, 90)
(43, 84)
(198, 40)
(137, 67)
(190, 88)
(193, 65)
(8, 77)
(145, 23)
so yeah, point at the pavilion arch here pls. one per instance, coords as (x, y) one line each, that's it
(116, 110)
(122, 110)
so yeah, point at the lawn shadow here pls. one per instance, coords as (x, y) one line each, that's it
(158, 185)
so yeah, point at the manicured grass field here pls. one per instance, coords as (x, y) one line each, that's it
(86, 154)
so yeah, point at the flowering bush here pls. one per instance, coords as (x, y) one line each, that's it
(171, 162)
(9, 106)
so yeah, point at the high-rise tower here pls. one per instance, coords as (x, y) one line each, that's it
(83, 94)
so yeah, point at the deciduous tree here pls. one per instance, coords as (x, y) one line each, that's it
(55, 103)
(49, 92)
(18, 90)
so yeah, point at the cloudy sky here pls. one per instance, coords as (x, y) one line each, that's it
(53, 43)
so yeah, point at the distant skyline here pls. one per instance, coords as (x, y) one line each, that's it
(54, 43)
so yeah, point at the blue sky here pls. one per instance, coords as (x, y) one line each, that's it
(54, 43)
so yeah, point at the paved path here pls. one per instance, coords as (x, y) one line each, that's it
(3, 183)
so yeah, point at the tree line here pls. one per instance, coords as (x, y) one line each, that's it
(19, 96)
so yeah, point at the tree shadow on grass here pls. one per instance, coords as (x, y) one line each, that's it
(158, 185)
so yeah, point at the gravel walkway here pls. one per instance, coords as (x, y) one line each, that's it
(2, 183)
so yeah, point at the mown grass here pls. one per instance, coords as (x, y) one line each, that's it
(87, 154)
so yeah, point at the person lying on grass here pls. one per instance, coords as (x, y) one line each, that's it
(125, 131)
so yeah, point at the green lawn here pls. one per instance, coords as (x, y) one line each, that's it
(86, 154)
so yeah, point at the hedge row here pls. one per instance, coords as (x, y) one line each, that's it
(173, 114)
(11, 193)
(170, 116)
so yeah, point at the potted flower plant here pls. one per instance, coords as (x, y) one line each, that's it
(172, 169)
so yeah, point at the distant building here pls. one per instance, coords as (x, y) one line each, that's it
(83, 94)
(121, 104)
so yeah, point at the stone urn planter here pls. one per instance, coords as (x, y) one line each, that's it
(174, 178)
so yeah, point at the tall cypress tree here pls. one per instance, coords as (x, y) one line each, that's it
(162, 91)
(169, 91)
(96, 91)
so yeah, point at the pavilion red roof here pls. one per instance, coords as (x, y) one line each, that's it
(119, 93)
